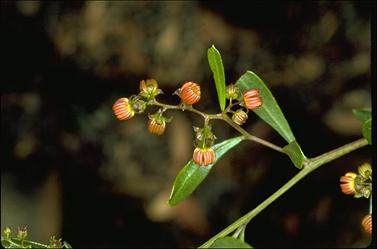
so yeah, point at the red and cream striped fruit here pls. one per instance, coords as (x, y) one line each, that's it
(122, 109)
(190, 93)
(204, 157)
(252, 99)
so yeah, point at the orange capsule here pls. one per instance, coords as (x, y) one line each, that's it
(204, 157)
(252, 99)
(367, 223)
(156, 126)
(122, 109)
(190, 93)
(348, 183)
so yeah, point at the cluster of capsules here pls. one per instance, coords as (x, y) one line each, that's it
(190, 93)
(359, 185)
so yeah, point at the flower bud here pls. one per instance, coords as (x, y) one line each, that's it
(149, 88)
(252, 99)
(239, 117)
(232, 91)
(365, 170)
(204, 138)
(21, 233)
(367, 223)
(138, 105)
(156, 126)
(190, 93)
(7, 231)
(55, 243)
(122, 109)
(348, 183)
(204, 156)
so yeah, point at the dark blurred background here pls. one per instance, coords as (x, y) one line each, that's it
(71, 169)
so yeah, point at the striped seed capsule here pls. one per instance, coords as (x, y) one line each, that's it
(252, 99)
(122, 109)
(348, 183)
(156, 126)
(367, 223)
(239, 117)
(190, 93)
(204, 157)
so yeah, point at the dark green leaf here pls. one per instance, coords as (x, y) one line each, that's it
(189, 178)
(295, 153)
(229, 242)
(216, 64)
(367, 129)
(363, 114)
(270, 111)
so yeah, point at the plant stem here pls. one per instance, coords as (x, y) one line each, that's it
(312, 164)
(188, 108)
(222, 116)
(248, 136)
(18, 243)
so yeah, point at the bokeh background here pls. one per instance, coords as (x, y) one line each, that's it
(71, 169)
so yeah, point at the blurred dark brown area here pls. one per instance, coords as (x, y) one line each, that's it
(69, 168)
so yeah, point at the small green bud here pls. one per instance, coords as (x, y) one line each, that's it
(54, 243)
(7, 232)
(21, 233)
(232, 92)
(239, 117)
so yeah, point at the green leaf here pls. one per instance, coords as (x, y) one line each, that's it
(216, 64)
(367, 129)
(189, 178)
(230, 242)
(66, 244)
(363, 114)
(295, 153)
(270, 111)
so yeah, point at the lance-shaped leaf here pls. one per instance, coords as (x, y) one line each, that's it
(363, 114)
(229, 242)
(270, 111)
(295, 153)
(367, 129)
(216, 64)
(189, 178)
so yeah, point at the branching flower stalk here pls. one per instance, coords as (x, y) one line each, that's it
(221, 116)
(248, 93)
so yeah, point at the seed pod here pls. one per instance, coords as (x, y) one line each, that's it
(122, 109)
(190, 93)
(239, 117)
(252, 99)
(348, 183)
(367, 223)
(204, 156)
(156, 126)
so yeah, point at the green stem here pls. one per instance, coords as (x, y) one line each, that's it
(370, 204)
(18, 243)
(248, 136)
(188, 108)
(312, 164)
(222, 116)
